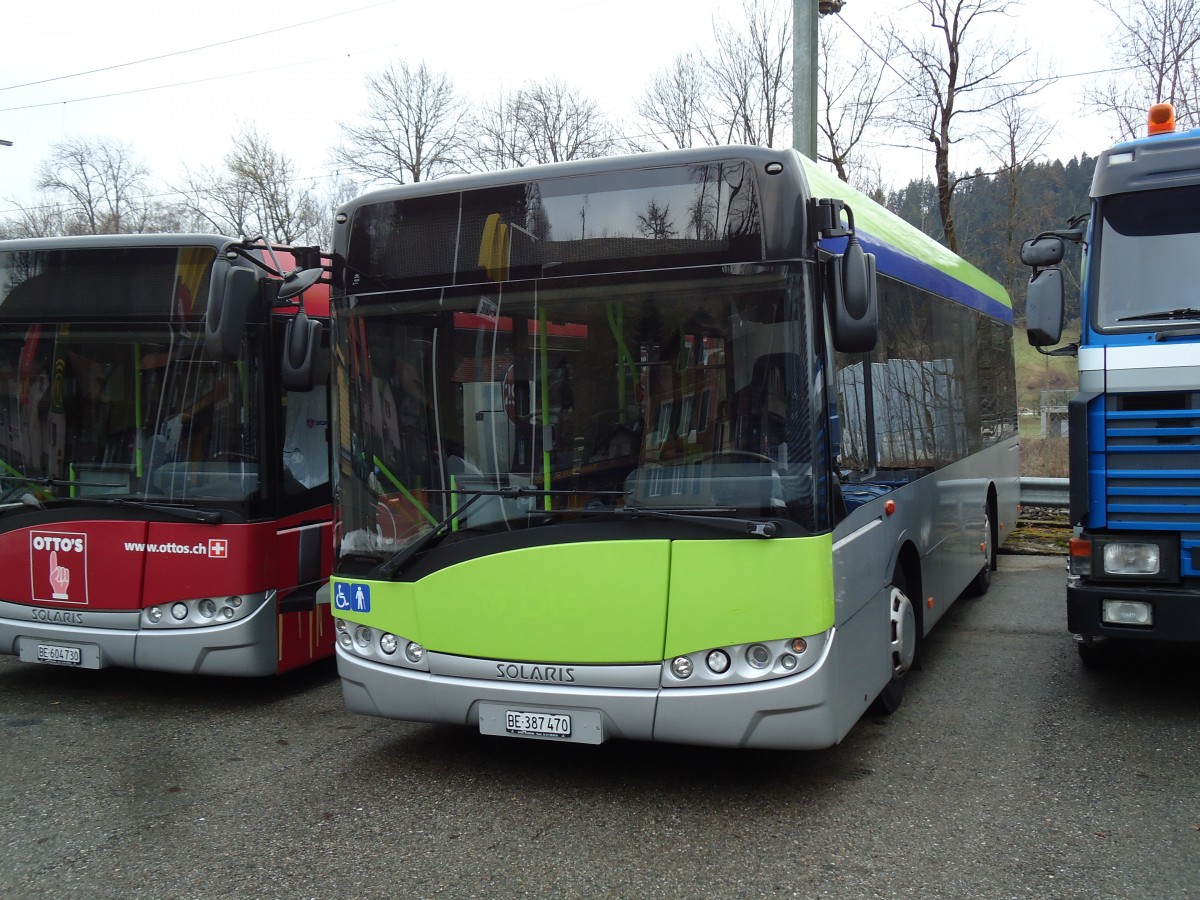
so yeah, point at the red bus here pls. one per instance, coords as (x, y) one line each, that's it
(164, 464)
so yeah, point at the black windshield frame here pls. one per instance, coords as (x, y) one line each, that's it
(716, 368)
(1144, 258)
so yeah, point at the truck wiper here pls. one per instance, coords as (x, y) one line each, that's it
(1185, 312)
(392, 566)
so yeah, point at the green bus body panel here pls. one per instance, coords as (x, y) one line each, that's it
(737, 592)
(607, 602)
(599, 602)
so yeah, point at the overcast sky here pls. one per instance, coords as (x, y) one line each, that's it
(295, 69)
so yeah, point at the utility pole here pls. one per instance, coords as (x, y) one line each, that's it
(804, 77)
(804, 71)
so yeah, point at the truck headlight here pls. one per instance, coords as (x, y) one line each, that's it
(1131, 558)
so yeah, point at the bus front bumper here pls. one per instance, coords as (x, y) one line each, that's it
(247, 647)
(783, 713)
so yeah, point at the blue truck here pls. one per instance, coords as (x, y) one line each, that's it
(1134, 426)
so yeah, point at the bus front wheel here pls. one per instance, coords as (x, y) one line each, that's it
(902, 646)
(979, 586)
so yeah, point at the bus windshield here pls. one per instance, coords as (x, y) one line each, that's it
(1147, 258)
(106, 390)
(695, 390)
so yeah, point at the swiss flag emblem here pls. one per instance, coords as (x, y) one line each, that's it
(218, 548)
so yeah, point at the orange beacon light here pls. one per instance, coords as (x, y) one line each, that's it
(1162, 119)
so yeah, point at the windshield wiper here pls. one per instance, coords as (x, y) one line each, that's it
(1185, 312)
(188, 513)
(19, 481)
(392, 566)
(748, 527)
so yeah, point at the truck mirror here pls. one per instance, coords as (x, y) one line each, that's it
(231, 290)
(301, 338)
(1044, 250)
(1044, 308)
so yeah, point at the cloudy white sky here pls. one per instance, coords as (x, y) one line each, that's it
(72, 68)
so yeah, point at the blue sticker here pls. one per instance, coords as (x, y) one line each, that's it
(352, 597)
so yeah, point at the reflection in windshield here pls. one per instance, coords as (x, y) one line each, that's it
(696, 394)
(1147, 256)
(139, 412)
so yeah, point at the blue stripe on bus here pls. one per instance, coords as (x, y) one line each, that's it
(903, 267)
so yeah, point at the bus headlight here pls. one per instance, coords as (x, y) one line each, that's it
(1131, 558)
(718, 661)
(388, 643)
(681, 667)
(414, 652)
(758, 656)
(744, 663)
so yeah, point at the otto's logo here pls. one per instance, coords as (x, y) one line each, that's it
(58, 566)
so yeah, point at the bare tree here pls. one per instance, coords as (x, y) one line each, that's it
(43, 218)
(851, 96)
(259, 193)
(100, 186)
(413, 128)
(957, 72)
(750, 76)
(674, 104)
(1156, 47)
(1020, 136)
(541, 123)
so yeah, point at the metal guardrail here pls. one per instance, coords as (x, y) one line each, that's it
(1045, 492)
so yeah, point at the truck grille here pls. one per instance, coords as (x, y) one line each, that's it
(1152, 444)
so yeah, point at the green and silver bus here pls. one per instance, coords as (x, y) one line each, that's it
(691, 446)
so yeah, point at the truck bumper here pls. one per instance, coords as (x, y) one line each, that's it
(1176, 613)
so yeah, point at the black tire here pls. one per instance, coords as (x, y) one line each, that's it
(983, 580)
(902, 647)
(1097, 657)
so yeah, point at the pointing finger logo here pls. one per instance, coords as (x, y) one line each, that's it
(60, 577)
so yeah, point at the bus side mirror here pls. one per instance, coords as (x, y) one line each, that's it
(231, 290)
(1044, 307)
(853, 300)
(301, 338)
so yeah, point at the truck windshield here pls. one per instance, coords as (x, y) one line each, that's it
(689, 390)
(1146, 261)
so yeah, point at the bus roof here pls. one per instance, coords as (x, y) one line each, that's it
(106, 241)
(902, 251)
(906, 253)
